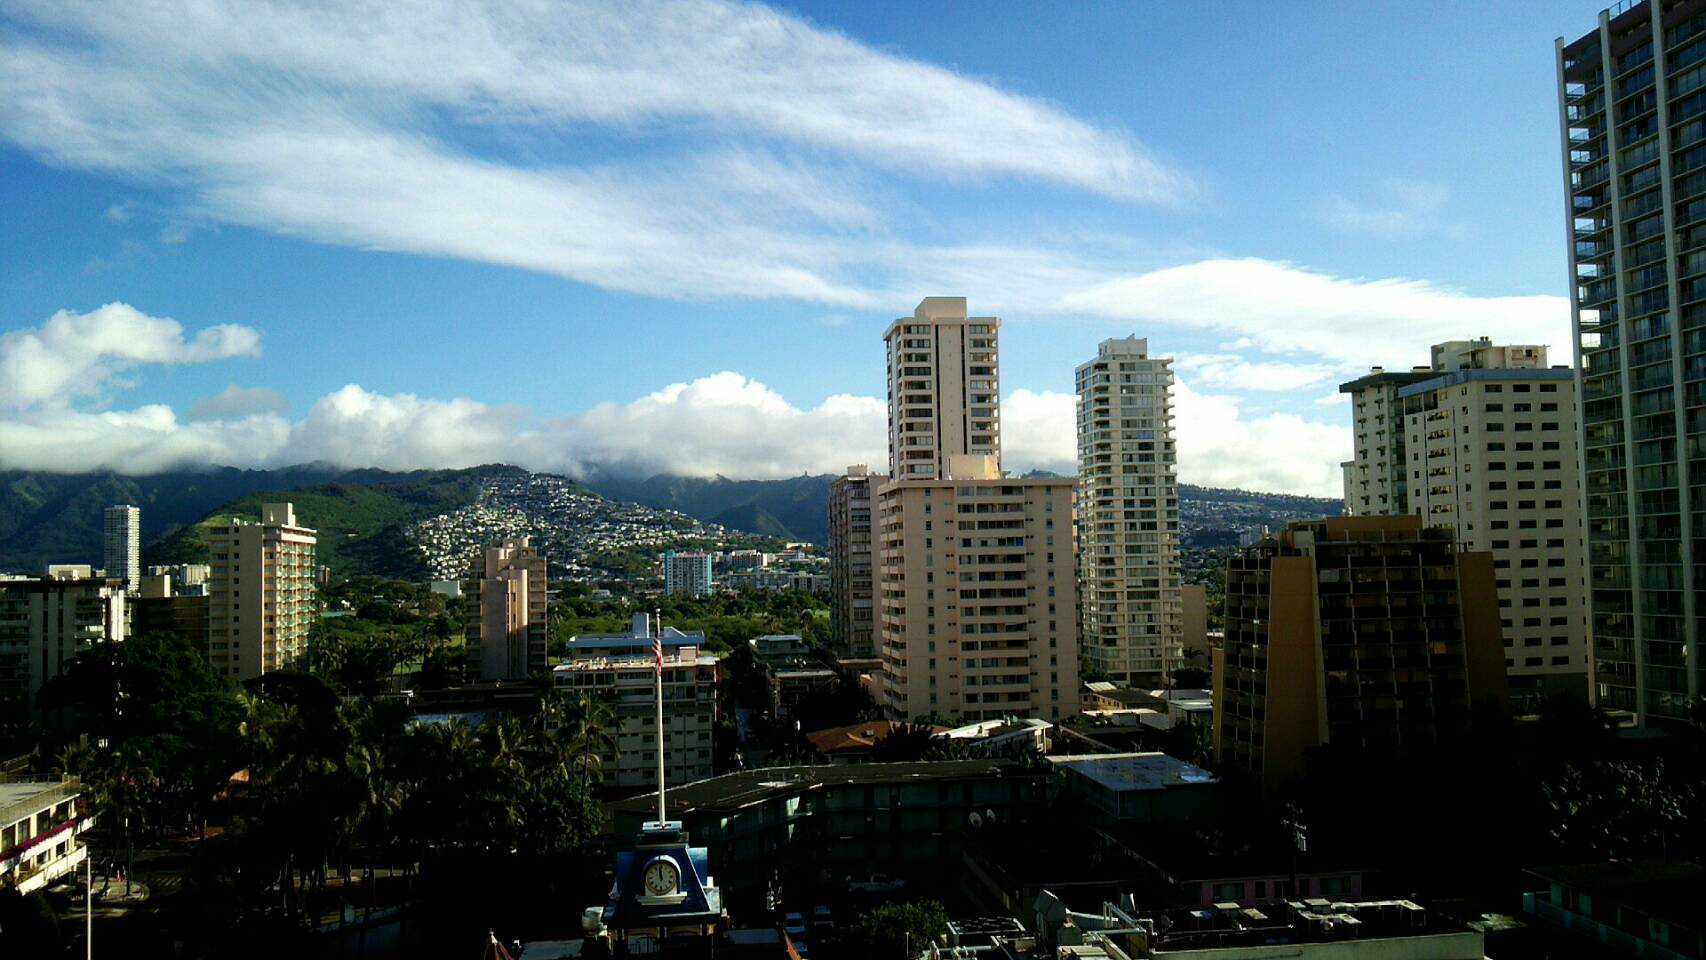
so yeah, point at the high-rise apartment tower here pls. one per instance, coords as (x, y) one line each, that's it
(121, 529)
(1483, 441)
(1128, 514)
(976, 586)
(261, 593)
(1632, 131)
(944, 388)
(852, 573)
(504, 608)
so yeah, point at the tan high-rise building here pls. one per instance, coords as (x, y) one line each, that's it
(261, 588)
(978, 614)
(1371, 632)
(505, 612)
(944, 388)
(1483, 441)
(852, 572)
(1128, 515)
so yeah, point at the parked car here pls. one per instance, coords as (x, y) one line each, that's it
(876, 883)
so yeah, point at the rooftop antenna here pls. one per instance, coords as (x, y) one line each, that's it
(657, 661)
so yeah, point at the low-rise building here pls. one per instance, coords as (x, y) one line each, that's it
(1140, 787)
(853, 743)
(1638, 908)
(1007, 737)
(39, 825)
(804, 824)
(620, 668)
(779, 648)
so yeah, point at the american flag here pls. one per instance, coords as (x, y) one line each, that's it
(657, 648)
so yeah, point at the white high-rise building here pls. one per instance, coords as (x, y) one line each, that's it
(687, 573)
(944, 388)
(44, 625)
(1130, 607)
(122, 539)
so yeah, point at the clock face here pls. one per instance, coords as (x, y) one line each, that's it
(661, 878)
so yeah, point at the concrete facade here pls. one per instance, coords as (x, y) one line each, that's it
(39, 826)
(121, 543)
(1494, 459)
(944, 388)
(978, 610)
(44, 625)
(1634, 183)
(1366, 631)
(504, 609)
(1131, 615)
(687, 574)
(620, 669)
(261, 589)
(852, 569)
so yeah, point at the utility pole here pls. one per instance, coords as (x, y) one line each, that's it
(88, 903)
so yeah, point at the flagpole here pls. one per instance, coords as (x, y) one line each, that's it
(657, 648)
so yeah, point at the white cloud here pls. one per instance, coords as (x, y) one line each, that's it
(235, 401)
(1039, 431)
(1281, 308)
(76, 354)
(1228, 370)
(751, 140)
(1332, 399)
(121, 212)
(145, 440)
(1400, 206)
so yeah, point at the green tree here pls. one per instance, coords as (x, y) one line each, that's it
(897, 929)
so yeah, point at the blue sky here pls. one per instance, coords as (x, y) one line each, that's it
(669, 236)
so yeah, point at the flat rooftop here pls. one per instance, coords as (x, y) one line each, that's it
(735, 791)
(1122, 772)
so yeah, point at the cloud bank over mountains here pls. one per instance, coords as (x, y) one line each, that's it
(723, 423)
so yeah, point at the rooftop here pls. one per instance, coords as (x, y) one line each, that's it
(1672, 890)
(854, 737)
(1135, 771)
(20, 798)
(736, 791)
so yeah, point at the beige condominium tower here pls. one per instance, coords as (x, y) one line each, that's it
(977, 611)
(1131, 613)
(1483, 441)
(261, 593)
(504, 608)
(944, 388)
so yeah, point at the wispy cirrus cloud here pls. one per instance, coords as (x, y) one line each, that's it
(752, 142)
(1397, 207)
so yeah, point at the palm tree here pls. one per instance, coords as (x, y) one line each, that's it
(592, 737)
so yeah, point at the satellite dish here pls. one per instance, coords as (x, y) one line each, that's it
(989, 815)
(976, 819)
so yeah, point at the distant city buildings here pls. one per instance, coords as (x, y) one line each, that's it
(1633, 176)
(44, 625)
(1371, 632)
(687, 573)
(852, 568)
(976, 589)
(504, 612)
(121, 538)
(620, 668)
(1487, 440)
(1132, 618)
(262, 600)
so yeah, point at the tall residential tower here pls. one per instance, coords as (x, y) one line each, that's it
(1632, 132)
(121, 529)
(261, 593)
(1128, 514)
(976, 592)
(504, 607)
(944, 388)
(852, 604)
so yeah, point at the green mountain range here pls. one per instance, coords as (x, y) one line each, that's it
(363, 515)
